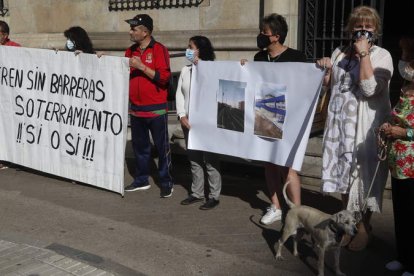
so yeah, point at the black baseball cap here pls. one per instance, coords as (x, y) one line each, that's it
(141, 19)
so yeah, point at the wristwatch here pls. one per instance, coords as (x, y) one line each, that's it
(363, 54)
(410, 134)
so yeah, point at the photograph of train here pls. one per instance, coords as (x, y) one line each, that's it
(230, 105)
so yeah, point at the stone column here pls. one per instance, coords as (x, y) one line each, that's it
(290, 10)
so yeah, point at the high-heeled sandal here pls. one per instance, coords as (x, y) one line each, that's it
(361, 239)
(346, 239)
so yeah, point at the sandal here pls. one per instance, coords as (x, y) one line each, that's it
(361, 239)
(346, 239)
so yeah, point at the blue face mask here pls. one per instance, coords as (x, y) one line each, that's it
(70, 45)
(190, 54)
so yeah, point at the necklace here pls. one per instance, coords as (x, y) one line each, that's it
(269, 58)
(276, 58)
(142, 48)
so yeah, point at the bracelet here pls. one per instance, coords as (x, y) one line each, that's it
(410, 134)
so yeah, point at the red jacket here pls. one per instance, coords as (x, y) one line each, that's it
(144, 93)
(11, 43)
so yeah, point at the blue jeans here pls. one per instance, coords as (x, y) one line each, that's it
(140, 128)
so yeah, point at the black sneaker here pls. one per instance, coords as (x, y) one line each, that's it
(190, 200)
(210, 204)
(166, 192)
(136, 187)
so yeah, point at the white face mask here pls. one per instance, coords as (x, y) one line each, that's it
(190, 54)
(70, 45)
(405, 70)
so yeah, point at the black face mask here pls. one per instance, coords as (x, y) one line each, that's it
(363, 33)
(263, 41)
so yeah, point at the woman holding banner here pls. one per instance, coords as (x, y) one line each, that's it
(199, 48)
(78, 40)
(358, 75)
(273, 32)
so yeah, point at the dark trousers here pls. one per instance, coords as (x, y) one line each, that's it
(403, 204)
(140, 128)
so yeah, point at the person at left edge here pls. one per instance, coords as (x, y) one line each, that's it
(149, 79)
(4, 35)
(5, 41)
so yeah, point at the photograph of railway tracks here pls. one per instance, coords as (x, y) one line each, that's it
(231, 105)
(270, 110)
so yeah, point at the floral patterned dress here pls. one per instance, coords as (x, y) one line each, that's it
(401, 152)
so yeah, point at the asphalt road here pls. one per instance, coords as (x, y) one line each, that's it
(142, 234)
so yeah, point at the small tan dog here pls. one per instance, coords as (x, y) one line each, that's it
(326, 230)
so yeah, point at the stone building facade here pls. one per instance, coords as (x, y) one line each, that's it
(232, 25)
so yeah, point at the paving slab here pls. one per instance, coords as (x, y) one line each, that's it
(23, 259)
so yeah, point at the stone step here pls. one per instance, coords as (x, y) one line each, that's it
(312, 163)
(314, 147)
(311, 167)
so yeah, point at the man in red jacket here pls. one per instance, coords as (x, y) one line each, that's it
(149, 80)
(5, 41)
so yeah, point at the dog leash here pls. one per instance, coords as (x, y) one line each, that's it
(382, 155)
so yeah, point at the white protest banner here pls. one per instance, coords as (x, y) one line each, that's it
(260, 111)
(64, 114)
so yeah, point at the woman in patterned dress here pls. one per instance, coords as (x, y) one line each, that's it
(358, 76)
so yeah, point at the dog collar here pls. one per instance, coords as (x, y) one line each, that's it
(338, 232)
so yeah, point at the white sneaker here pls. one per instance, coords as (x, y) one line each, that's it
(394, 266)
(273, 214)
(407, 274)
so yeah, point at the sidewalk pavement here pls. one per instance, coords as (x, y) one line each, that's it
(51, 223)
(23, 259)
